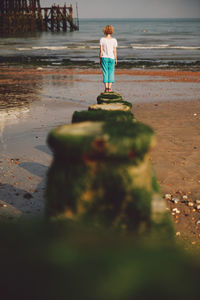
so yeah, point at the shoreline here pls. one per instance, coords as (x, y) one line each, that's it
(174, 75)
(52, 61)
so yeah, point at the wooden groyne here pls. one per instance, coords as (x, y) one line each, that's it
(101, 172)
(18, 16)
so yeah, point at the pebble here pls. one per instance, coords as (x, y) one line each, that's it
(198, 222)
(185, 197)
(178, 233)
(168, 196)
(175, 200)
(197, 201)
(179, 192)
(176, 210)
(198, 206)
(190, 204)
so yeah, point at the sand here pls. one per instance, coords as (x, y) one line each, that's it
(176, 159)
(35, 100)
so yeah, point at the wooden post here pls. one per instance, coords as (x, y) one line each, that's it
(52, 19)
(46, 19)
(64, 18)
(40, 19)
(58, 18)
(71, 17)
(77, 17)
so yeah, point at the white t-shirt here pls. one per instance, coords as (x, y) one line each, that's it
(108, 47)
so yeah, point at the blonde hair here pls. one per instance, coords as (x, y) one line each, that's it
(108, 29)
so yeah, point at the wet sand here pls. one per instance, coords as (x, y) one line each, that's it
(35, 100)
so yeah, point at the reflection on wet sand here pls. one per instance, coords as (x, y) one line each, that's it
(17, 89)
(11, 116)
(20, 88)
(16, 95)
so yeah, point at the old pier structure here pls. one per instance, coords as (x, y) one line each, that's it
(18, 16)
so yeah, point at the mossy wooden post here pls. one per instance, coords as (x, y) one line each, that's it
(108, 97)
(111, 98)
(101, 173)
(101, 115)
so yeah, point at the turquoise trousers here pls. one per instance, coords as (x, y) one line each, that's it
(108, 68)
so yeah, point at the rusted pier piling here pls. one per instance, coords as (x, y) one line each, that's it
(18, 16)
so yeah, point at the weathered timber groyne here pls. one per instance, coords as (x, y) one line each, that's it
(101, 172)
(18, 16)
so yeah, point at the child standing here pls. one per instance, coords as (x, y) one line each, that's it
(108, 57)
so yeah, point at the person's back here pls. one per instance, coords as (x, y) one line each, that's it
(108, 45)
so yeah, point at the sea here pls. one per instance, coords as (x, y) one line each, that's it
(142, 43)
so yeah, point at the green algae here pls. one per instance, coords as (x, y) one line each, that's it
(155, 184)
(103, 101)
(133, 139)
(110, 96)
(65, 185)
(110, 140)
(102, 193)
(100, 115)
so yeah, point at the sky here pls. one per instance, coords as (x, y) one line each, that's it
(132, 8)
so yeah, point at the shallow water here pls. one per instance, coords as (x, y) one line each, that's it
(142, 43)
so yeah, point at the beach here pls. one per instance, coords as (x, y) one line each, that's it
(36, 99)
(176, 160)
